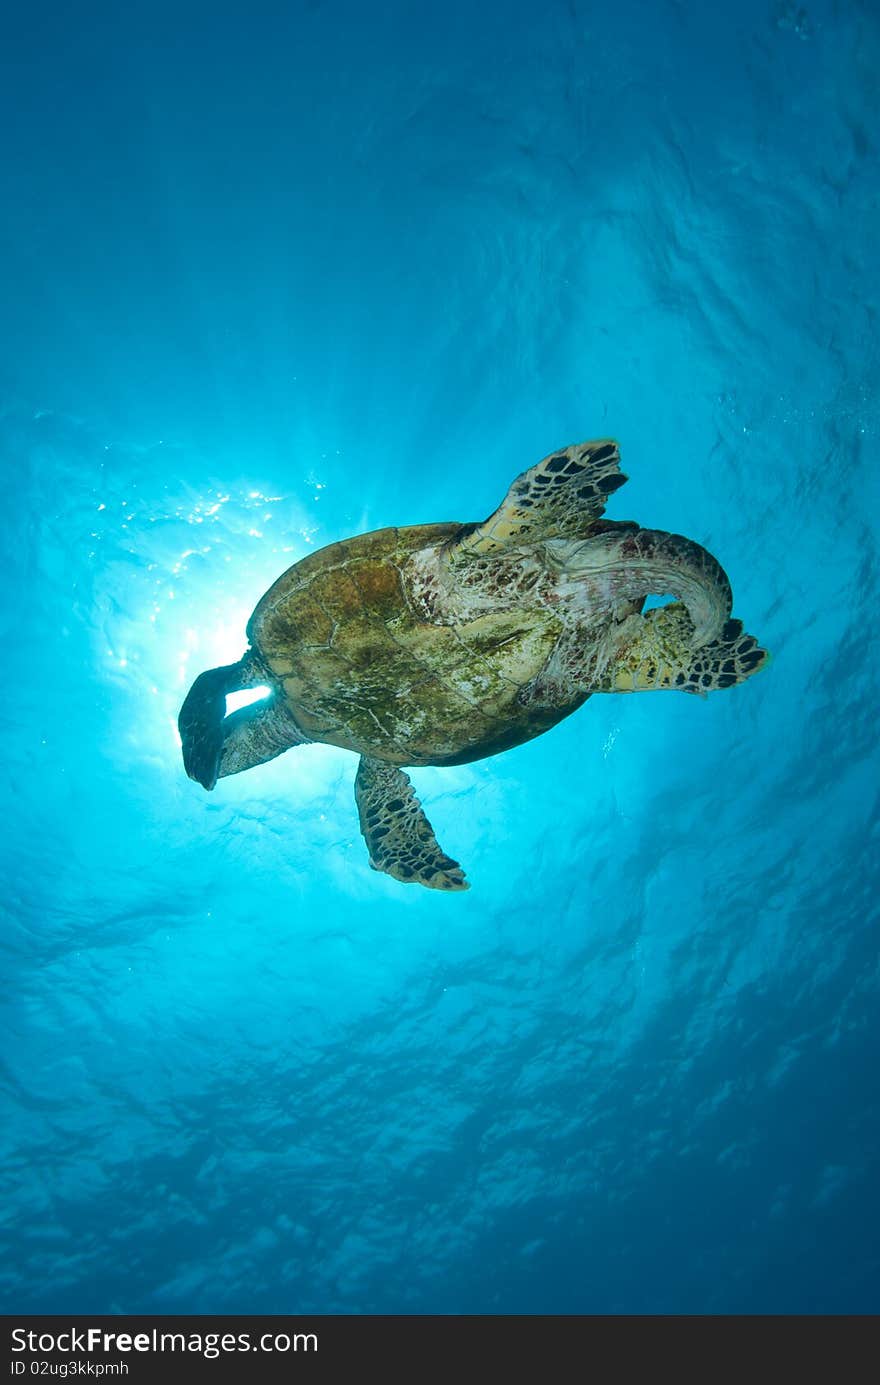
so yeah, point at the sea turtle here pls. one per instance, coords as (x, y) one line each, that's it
(439, 644)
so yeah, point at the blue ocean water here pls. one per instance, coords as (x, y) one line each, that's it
(276, 274)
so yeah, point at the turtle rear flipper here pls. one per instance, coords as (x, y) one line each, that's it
(258, 733)
(662, 656)
(399, 837)
(201, 722)
(215, 744)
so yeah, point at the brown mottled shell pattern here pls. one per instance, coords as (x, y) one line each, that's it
(363, 668)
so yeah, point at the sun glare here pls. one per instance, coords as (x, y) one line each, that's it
(245, 698)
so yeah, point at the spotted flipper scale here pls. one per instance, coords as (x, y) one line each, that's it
(562, 497)
(399, 837)
(657, 652)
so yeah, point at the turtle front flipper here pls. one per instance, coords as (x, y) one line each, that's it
(561, 497)
(660, 654)
(399, 837)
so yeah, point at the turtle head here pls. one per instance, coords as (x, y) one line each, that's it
(632, 563)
